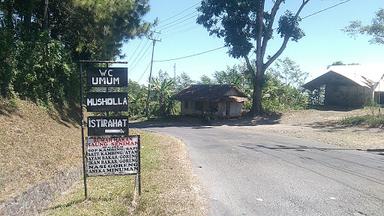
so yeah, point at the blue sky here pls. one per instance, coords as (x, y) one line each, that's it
(323, 44)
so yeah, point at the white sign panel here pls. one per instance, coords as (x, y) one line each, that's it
(113, 155)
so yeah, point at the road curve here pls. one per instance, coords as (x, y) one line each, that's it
(250, 173)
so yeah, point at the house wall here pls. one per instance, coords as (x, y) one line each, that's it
(188, 108)
(236, 109)
(347, 95)
(191, 108)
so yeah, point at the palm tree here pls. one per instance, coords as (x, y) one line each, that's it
(163, 89)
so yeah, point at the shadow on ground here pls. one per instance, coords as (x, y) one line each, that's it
(296, 148)
(8, 108)
(333, 108)
(334, 126)
(66, 114)
(199, 123)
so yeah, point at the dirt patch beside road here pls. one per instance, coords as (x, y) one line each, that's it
(322, 126)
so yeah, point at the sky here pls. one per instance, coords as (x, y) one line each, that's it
(323, 44)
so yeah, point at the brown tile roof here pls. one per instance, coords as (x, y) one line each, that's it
(208, 93)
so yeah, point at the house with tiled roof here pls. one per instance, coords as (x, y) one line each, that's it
(219, 100)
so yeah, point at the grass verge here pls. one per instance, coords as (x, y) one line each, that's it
(365, 120)
(168, 187)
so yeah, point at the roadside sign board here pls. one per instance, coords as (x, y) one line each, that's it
(107, 101)
(105, 126)
(113, 156)
(107, 77)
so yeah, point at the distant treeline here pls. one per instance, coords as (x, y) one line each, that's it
(41, 42)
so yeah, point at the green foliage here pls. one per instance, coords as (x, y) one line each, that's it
(376, 29)
(373, 107)
(205, 80)
(39, 50)
(288, 72)
(236, 75)
(163, 88)
(317, 96)
(45, 71)
(160, 101)
(137, 99)
(183, 81)
(374, 119)
(281, 90)
(367, 120)
(278, 96)
(289, 27)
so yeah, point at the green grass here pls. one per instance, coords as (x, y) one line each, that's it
(167, 186)
(365, 120)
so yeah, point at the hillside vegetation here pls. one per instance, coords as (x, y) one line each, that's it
(35, 144)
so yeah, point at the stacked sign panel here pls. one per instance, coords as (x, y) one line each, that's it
(100, 126)
(110, 150)
(113, 155)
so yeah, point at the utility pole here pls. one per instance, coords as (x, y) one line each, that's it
(45, 24)
(150, 72)
(174, 73)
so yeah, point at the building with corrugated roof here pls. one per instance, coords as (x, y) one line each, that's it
(350, 85)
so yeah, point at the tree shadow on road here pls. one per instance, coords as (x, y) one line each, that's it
(200, 123)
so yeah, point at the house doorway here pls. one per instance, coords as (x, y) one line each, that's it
(379, 98)
(227, 108)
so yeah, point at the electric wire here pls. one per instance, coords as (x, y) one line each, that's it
(189, 56)
(137, 48)
(170, 34)
(144, 72)
(325, 9)
(173, 16)
(179, 21)
(133, 66)
(139, 53)
(191, 15)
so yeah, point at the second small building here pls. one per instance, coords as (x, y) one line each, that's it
(225, 101)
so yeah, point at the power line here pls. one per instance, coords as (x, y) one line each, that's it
(325, 9)
(139, 53)
(137, 48)
(180, 30)
(181, 12)
(188, 56)
(179, 21)
(144, 72)
(141, 57)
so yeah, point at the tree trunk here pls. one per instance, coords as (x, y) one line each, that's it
(257, 107)
(6, 73)
(258, 81)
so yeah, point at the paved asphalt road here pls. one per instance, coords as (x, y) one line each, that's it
(249, 173)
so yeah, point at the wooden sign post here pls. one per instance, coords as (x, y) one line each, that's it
(109, 149)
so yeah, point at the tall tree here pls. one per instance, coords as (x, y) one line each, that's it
(40, 41)
(375, 29)
(183, 81)
(206, 80)
(247, 27)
